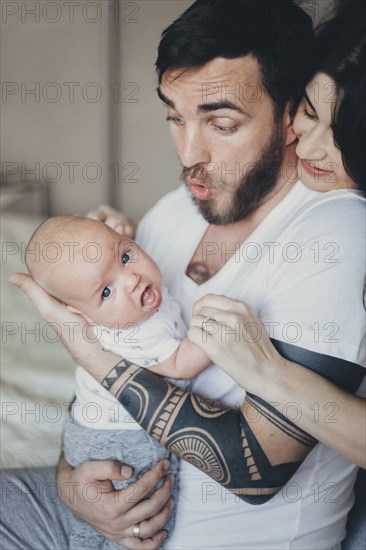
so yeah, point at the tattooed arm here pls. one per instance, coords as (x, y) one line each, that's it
(252, 451)
(328, 383)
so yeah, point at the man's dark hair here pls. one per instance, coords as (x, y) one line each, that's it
(278, 33)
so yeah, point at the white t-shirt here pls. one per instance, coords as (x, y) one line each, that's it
(302, 272)
(144, 344)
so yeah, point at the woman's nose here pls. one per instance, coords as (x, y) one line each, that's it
(312, 145)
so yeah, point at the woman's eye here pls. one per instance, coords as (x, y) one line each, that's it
(309, 115)
(106, 292)
(125, 258)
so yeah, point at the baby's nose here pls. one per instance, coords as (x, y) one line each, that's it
(132, 281)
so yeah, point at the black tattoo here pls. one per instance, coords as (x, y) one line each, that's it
(198, 272)
(280, 421)
(213, 437)
(115, 374)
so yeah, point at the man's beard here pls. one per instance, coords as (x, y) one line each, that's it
(258, 181)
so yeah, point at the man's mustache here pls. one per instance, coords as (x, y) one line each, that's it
(200, 172)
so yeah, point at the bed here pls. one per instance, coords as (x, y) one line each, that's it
(36, 371)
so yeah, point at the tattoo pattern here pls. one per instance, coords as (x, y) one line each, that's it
(198, 272)
(116, 372)
(280, 421)
(213, 437)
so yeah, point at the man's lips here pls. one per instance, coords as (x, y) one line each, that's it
(199, 190)
(150, 298)
(314, 170)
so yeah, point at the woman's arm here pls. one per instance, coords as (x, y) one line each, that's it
(333, 416)
(330, 414)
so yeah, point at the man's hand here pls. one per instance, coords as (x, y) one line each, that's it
(115, 513)
(76, 333)
(114, 219)
(50, 309)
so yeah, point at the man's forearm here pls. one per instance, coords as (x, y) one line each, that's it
(333, 416)
(85, 348)
(226, 444)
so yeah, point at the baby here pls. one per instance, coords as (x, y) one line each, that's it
(109, 280)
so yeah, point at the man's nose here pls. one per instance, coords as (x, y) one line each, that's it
(194, 149)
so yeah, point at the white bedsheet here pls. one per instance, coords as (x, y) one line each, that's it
(37, 375)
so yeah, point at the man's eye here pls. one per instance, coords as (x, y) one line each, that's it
(106, 292)
(125, 258)
(226, 129)
(175, 120)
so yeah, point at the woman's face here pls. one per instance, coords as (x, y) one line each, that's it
(320, 161)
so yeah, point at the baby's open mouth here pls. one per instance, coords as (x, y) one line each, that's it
(150, 298)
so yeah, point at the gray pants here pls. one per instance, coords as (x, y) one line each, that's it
(32, 517)
(133, 447)
(32, 514)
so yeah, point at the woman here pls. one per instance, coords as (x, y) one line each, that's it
(330, 126)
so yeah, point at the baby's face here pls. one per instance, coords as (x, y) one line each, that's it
(122, 286)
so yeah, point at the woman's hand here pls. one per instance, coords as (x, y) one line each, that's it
(235, 339)
(114, 219)
(115, 513)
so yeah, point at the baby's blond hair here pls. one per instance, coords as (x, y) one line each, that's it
(57, 231)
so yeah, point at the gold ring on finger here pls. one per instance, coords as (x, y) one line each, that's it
(136, 530)
(205, 321)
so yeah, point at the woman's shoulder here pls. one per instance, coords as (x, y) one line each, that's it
(346, 198)
(332, 212)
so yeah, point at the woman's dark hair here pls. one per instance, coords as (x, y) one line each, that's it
(339, 52)
(278, 33)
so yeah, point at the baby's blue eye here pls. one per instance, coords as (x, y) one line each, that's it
(106, 292)
(125, 258)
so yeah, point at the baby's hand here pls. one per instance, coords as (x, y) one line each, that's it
(114, 219)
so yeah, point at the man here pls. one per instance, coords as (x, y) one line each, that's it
(229, 75)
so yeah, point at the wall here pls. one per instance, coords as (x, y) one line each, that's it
(149, 164)
(60, 132)
(119, 139)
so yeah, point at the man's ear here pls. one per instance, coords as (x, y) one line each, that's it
(289, 126)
